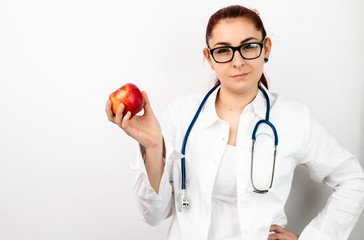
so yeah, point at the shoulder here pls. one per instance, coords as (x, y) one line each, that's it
(182, 107)
(288, 107)
(178, 115)
(185, 104)
(290, 116)
(192, 99)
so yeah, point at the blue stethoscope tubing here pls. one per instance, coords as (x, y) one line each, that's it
(265, 121)
(183, 167)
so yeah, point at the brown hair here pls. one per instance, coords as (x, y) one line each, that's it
(236, 11)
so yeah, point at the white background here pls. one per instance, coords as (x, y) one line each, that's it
(64, 170)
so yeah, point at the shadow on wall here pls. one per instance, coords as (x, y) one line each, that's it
(306, 200)
(361, 153)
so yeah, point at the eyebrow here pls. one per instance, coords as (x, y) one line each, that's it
(228, 44)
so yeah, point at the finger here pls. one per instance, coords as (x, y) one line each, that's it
(277, 229)
(119, 114)
(125, 122)
(147, 106)
(276, 236)
(108, 110)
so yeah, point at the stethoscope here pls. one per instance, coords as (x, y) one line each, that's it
(183, 201)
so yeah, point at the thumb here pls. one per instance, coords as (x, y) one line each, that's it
(147, 106)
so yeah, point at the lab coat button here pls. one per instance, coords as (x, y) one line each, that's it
(245, 230)
(241, 173)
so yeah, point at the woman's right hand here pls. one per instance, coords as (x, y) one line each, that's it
(145, 129)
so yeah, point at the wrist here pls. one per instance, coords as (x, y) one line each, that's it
(156, 144)
(155, 149)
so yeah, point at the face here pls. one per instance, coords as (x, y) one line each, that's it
(239, 75)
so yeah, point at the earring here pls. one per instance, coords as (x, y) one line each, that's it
(212, 67)
(266, 60)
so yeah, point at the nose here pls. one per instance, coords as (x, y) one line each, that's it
(237, 60)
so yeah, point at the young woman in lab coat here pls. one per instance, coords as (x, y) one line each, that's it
(218, 152)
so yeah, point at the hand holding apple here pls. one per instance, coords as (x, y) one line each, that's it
(145, 129)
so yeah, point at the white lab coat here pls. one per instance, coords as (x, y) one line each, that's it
(301, 141)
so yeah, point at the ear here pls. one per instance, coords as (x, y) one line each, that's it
(207, 55)
(267, 47)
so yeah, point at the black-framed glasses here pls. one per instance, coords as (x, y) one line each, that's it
(247, 51)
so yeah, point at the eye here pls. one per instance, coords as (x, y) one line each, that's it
(222, 50)
(250, 46)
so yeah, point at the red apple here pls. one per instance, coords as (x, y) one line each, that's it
(130, 96)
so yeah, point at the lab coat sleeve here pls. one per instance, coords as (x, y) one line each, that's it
(330, 163)
(156, 207)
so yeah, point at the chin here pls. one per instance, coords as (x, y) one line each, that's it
(241, 86)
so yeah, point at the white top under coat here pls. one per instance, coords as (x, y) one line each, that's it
(224, 212)
(301, 141)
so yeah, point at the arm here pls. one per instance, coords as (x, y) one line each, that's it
(152, 188)
(154, 164)
(158, 204)
(330, 163)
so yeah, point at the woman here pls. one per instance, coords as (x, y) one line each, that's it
(229, 194)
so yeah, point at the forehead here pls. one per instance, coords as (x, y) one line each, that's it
(233, 31)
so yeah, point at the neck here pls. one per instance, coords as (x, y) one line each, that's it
(233, 101)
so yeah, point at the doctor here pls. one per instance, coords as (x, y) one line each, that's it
(220, 172)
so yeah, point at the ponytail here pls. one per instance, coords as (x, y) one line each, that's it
(264, 81)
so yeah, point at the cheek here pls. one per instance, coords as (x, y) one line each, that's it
(222, 70)
(257, 67)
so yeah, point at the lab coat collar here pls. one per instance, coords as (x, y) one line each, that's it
(258, 105)
(208, 113)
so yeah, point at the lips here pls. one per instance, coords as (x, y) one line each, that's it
(240, 75)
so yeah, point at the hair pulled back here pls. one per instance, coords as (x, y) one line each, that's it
(231, 12)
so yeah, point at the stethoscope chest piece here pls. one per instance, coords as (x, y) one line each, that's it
(182, 201)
